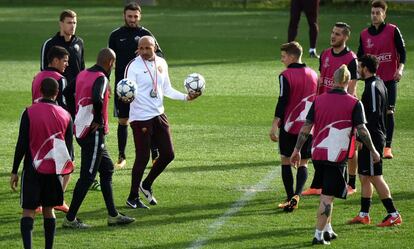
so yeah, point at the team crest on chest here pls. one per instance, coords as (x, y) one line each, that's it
(326, 62)
(159, 68)
(369, 43)
(136, 38)
(76, 47)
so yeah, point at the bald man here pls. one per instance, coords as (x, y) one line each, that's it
(148, 121)
(91, 126)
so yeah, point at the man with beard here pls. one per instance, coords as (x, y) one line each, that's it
(124, 42)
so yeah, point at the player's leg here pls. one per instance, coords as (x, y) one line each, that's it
(392, 98)
(142, 131)
(286, 145)
(90, 160)
(295, 11)
(29, 201)
(366, 200)
(106, 170)
(311, 9)
(162, 137)
(393, 217)
(65, 182)
(323, 215)
(26, 227)
(49, 226)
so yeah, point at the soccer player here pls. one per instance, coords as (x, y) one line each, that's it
(58, 58)
(333, 116)
(45, 142)
(331, 59)
(311, 9)
(297, 91)
(148, 121)
(385, 41)
(124, 41)
(374, 100)
(91, 126)
(73, 44)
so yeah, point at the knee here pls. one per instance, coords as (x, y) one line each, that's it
(123, 121)
(168, 157)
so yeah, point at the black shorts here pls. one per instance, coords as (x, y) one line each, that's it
(392, 93)
(287, 144)
(331, 178)
(40, 190)
(121, 109)
(366, 166)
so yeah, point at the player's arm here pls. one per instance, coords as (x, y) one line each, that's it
(69, 95)
(169, 91)
(280, 108)
(69, 139)
(352, 85)
(98, 93)
(22, 146)
(82, 59)
(61, 100)
(360, 52)
(303, 136)
(43, 55)
(400, 47)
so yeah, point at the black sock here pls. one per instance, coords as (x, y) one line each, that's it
(49, 224)
(26, 228)
(365, 204)
(390, 129)
(287, 178)
(389, 205)
(301, 177)
(122, 139)
(351, 181)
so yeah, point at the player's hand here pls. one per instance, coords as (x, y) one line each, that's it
(398, 75)
(127, 100)
(193, 95)
(295, 158)
(273, 135)
(375, 156)
(94, 127)
(14, 180)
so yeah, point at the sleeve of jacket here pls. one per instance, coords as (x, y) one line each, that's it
(283, 97)
(100, 86)
(69, 139)
(43, 54)
(400, 45)
(360, 52)
(22, 145)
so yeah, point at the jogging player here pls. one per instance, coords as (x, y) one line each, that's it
(297, 91)
(333, 116)
(91, 126)
(384, 40)
(45, 142)
(374, 99)
(124, 41)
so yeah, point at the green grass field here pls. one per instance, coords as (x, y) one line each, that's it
(222, 189)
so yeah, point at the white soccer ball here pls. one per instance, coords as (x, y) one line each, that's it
(125, 89)
(195, 82)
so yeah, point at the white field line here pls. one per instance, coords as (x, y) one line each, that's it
(235, 208)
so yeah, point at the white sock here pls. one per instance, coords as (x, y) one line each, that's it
(328, 228)
(312, 50)
(318, 234)
(395, 214)
(363, 214)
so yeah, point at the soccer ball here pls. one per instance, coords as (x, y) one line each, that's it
(195, 82)
(125, 89)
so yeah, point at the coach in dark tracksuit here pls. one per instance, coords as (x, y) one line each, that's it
(311, 9)
(91, 126)
(124, 42)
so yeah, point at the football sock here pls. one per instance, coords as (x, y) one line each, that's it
(122, 139)
(49, 225)
(301, 177)
(363, 214)
(287, 178)
(318, 234)
(26, 228)
(389, 205)
(312, 50)
(365, 204)
(328, 228)
(390, 129)
(351, 181)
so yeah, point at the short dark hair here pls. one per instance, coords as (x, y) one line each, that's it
(379, 4)
(49, 88)
(67, 13)
(370, 62)
(346, 28)
(56, 52)
(132, 6)
(292, 48)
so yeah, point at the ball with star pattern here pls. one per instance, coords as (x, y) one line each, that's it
(195, 82)
(125, 89)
